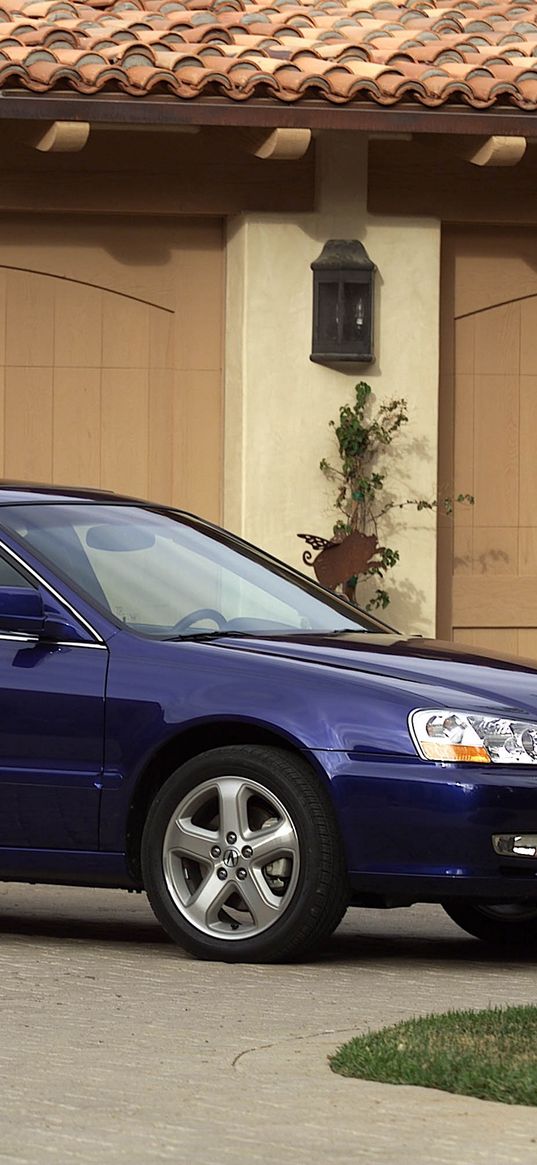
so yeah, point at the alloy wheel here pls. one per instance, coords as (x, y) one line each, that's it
(231, 857)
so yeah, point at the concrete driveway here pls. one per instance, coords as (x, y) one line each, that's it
(115, 1047)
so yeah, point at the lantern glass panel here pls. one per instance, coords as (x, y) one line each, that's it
(355, 313)
(328, 312)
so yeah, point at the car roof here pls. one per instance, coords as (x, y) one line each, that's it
(29, 491)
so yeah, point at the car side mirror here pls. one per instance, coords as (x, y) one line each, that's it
(21, 611)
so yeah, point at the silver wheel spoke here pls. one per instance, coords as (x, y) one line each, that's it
(263, 905)
(184, 838)
(207, 900)
(233, 796)
(269, 844)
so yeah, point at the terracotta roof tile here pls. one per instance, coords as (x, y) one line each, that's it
(431, 52)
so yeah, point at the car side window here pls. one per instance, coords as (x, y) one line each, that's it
(10, 576)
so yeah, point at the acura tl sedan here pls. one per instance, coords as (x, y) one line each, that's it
(183, 714)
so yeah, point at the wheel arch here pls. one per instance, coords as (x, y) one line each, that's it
(182, 747)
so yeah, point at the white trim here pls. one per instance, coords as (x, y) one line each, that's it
(52, 590)
(19, 638)
(75, 643)
(14, 637)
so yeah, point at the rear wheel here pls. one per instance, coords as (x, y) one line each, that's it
(241, 856)
(503, 923)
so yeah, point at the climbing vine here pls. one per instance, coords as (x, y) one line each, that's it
(363, 499)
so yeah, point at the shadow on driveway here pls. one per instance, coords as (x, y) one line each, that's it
(420, 934)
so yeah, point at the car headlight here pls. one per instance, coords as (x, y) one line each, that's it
(444, 735)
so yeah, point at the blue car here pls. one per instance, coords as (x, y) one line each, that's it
(183, 714)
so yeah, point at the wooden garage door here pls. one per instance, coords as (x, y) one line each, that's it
(487, 584)
(111, 355)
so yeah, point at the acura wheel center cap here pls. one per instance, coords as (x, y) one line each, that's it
(231, 857)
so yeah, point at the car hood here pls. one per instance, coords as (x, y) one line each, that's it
(465, 670)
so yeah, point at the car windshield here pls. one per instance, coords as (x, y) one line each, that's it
(166, 575)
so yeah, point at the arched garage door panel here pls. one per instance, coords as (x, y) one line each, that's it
(488, 438)
(103, 384)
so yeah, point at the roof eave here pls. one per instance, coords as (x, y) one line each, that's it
(119, 109)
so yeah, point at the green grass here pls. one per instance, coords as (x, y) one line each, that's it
(490, 1054)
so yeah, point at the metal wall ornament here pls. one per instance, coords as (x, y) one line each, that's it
(339, 559)
(343, 290)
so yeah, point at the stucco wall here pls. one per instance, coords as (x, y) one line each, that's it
(279, 404)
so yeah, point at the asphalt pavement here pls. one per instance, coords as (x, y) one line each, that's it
(116, 1047)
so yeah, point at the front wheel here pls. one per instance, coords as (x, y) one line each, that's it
(502, 923)
(241, 856)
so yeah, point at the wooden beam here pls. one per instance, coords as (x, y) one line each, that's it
(497, 151)
(61, 137)
(280, 145)
(169, 129)
(365, 116)
(216, 190)
(434, 179)
(390, 137)
(127, 173)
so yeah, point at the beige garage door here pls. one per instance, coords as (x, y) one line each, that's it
(488, 439)
(111, 355)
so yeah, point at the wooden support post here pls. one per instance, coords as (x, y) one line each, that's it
(277, 144)
(60, 137)
(497, 151)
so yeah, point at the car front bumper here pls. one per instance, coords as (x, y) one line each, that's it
(415, 831)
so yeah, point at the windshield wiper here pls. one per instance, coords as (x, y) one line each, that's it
(210, 635)
(258, 633)
(348, 631)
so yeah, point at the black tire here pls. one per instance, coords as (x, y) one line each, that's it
(315, 894)
(511, 924)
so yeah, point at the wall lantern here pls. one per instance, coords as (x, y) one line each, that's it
(343, 303)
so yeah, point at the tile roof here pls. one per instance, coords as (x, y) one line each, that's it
(430, 52)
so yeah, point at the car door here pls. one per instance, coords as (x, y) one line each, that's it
(51, 731)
